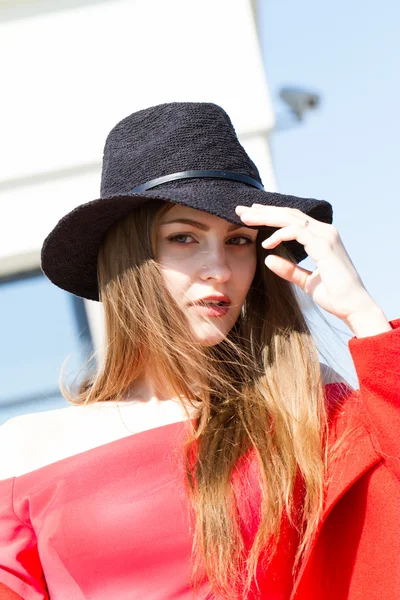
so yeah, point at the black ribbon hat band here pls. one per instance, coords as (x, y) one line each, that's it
(201, 173)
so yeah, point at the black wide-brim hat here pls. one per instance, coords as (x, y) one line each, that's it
(182, 152)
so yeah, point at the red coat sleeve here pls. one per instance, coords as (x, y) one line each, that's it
(377, 362)
(20, 568)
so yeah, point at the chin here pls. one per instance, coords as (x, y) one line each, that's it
(211, 338)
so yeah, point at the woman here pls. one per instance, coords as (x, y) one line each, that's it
(248, 475)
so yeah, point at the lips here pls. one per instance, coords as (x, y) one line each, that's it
(215, 300)
(212, 303)
(211, 310)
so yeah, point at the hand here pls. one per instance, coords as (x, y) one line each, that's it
(335, 285)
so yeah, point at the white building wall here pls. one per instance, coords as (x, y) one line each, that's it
(74, 69)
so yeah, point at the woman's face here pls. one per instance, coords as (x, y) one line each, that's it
(198, 260)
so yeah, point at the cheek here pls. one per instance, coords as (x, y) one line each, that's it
(175, 281)
(245, 271)
(173, 269)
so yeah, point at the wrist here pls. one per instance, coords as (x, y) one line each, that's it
(368, 322)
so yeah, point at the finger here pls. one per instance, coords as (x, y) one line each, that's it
(288, 270)
(293, 232)
(272, 216)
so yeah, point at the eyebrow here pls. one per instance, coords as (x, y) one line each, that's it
(202, 226)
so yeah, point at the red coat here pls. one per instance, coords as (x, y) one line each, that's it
(356, 551)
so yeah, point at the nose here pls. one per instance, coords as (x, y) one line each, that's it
(215, 265)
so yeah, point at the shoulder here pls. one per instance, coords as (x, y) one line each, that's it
(32, 440)
(27, 424)
(336, 387)
(36, 440)
(20, 439)
(340, 396)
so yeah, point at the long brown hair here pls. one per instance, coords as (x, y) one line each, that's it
(260, 389)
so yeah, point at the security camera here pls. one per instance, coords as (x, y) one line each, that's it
(299, 101)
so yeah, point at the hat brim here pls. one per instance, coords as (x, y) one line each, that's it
(69, 253)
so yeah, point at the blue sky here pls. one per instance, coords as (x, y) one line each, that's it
(347, 151)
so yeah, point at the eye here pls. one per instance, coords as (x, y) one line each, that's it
(174, 239)
(242, 237)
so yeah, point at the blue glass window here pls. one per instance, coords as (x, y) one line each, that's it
(40, 325)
